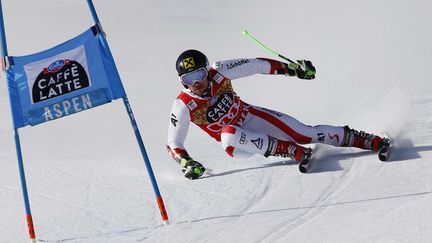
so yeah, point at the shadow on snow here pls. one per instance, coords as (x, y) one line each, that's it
(328, 158)
(428, 193)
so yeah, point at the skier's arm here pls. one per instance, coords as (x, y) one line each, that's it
(239, 68)
(177, 131)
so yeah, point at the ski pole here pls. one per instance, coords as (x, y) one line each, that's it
(246, 33)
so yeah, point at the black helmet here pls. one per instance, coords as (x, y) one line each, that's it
(191, 60)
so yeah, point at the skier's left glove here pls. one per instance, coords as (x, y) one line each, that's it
(191, 169)
(304, 69)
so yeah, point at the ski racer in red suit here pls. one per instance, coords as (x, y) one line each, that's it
(210, 102)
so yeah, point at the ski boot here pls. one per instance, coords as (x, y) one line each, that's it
(367, 141)
(361, 139)
(286, 149)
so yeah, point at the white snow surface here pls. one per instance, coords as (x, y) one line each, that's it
(87, 180)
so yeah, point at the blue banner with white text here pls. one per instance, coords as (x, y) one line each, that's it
(74, 76)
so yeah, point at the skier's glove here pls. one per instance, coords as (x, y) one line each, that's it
(304, 69)
(191, 169)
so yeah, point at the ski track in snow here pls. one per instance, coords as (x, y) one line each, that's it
(326, 197)
(260, 194)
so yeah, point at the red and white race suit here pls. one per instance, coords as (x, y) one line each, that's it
(243, 129)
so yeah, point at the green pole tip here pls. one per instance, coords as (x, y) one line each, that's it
(245, 32)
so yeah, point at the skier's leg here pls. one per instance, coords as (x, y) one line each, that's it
(238, 142)
(285, 127)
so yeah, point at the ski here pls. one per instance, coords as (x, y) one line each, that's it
(385, 150)
(304, 165)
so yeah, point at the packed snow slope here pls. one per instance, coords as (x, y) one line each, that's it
(87, 181)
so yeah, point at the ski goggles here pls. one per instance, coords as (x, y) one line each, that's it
(195, 76)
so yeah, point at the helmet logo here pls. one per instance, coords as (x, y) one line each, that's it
(188, 63)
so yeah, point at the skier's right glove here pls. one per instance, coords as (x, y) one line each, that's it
(304, 69)
(191, 169)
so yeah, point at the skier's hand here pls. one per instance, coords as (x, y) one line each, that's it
(304, 69)
(191, 169)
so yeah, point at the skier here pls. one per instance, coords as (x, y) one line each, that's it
(210, 102)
